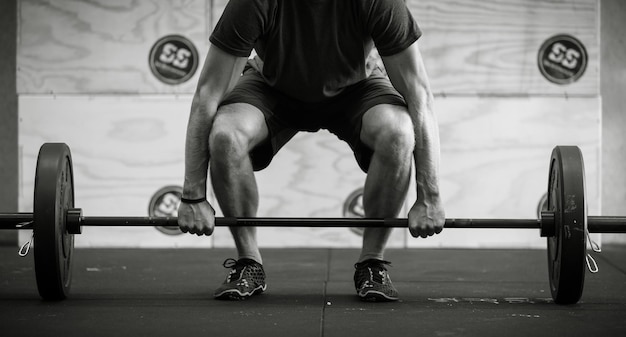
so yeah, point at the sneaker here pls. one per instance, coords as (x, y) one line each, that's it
(372, 281)
(246, 278)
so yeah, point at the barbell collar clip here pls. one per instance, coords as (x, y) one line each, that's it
(74, 220)
(547, 224)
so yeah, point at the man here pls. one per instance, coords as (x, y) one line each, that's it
(311, 75)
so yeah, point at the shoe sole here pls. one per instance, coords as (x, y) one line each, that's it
(236, 295)
(376, 296)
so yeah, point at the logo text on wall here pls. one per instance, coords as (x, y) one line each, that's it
(562, 59)
(173, 59)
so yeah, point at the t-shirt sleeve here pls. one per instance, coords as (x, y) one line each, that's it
(391, 26)
(239, 27)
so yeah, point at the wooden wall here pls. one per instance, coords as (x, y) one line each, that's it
(101, 47)
(613, 84)
(83, 78)
(490, 47)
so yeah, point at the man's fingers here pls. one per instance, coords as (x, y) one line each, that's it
(419, 232)
(207, 231)
(438, 229)
(425, 231)
(196, 228)
(185, 228)
(414, 231)
(204, 229)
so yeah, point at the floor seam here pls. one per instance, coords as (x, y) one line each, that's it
(324, 292)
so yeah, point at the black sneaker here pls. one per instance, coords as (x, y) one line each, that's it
(372, 281)
(246, 278)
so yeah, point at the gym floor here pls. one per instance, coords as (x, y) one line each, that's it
(168, 292)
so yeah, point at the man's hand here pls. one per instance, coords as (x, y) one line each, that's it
(426, 218)
(197, 218)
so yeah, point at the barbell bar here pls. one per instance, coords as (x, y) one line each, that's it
(564, 222)
(596, 224)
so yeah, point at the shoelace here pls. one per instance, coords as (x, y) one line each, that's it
(376, 268)
(237, 267)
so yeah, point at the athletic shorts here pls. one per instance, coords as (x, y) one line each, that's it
(285, 117)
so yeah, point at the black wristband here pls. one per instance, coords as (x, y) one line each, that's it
(193, 201)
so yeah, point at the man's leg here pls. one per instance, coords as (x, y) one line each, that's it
(237, 129)
(388, 131)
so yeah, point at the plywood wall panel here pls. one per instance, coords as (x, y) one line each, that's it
(124, 149)
(490, 47)
(470, 47)
(72, 47)
(495, 153)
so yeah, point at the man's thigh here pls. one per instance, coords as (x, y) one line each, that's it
(263, 136)
(254, 99)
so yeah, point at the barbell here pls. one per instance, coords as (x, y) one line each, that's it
(564, 222)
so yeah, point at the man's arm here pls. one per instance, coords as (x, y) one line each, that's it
(408, 75)
(219, 74)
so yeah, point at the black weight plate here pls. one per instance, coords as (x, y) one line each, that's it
(54, 194)
(567, 249)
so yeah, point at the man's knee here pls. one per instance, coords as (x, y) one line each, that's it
(226, 142)
(391, 132)
(230, 135)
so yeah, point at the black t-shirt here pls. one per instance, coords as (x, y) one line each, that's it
(312, 49)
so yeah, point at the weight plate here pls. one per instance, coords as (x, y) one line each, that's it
(54, 246)
(165, 203)
(566, 249)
